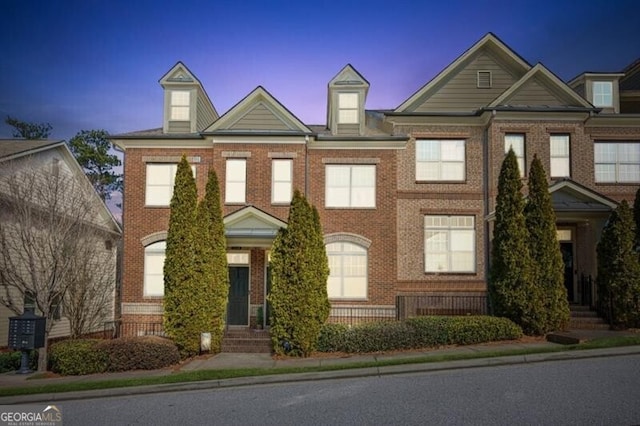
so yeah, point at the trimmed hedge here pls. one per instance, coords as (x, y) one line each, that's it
(77, 357)
(415, 333)
(90, 356)
(10, 361)
(139, 353)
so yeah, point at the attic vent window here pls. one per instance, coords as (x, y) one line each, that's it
(348, 108)
(484, 79)
(180, 102)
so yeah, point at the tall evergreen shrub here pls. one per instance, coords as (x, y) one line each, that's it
(299, 272)
(547, 263)
(511, 290)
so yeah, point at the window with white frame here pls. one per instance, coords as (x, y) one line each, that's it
(160, 182)
(617, 162)
(351, 186)
(560, 156)
(180, 105)
(515, 141)
(236, 181)
(281, 181)
(449, 244)
(347, 271)
(603, 93)
(154, 255)
(348, 108)
(440, 160)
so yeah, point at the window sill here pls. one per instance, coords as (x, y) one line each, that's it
(449, 274)
(442, 182)
(147, 297)
(347, 299)
(151, 206)
(349, 208)
(617, 183)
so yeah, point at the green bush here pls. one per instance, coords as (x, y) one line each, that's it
(76, 357)
(420, 332)
(10, 361)
(139, 353)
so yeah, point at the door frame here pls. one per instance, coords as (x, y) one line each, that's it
(574, 272)
(236, 258)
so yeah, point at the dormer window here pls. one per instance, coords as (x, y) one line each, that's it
(180, 104)
(348, 108)
(603, 93)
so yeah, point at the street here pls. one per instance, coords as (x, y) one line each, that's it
(596, 391)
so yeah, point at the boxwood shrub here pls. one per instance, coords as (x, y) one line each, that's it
(76, 357)
(10, 361)
(139, 353)
(414, 333)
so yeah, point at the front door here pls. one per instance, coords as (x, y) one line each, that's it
(566, 248)
(238, 307)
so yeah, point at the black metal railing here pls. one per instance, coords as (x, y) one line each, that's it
(410, 306)
(352, 315)
(586, 290)
(118, 328)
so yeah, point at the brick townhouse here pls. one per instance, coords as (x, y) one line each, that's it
(405, 195)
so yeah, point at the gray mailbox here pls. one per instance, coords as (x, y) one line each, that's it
(26, 332)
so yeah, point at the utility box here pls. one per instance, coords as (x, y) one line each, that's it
(26, 331)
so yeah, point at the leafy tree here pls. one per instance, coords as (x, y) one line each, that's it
(23, 129)
(619, 269)
(179, 303)
(211, 284)
(91, 149)
(299, 272)
(511, 288)
(636, 217)
(547, 264)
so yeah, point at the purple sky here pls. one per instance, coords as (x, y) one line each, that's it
(95, 64)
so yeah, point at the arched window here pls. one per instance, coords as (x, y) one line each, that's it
(153, 269)
(348, 271)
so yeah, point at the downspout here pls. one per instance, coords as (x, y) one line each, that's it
(485, 190)
(306, 166)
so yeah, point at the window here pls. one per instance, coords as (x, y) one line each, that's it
(236, 186)
(617, 162)
(160, 181)
(153, 269)
(484, 80)
(281, 181)
(449, 244)
(348, 271)
(350, 186)
(603, 93)
(180, 100)
(516, 142)
(560, 159)
(348, 108)
(29, 302)
(440, 160)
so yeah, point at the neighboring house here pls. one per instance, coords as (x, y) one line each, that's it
(406, 196)
(32, 173)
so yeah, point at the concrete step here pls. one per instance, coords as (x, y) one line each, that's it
(584, 314)
(579, 308)
(588, 324)
(246, 340)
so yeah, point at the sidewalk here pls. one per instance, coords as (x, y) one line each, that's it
(266, 361)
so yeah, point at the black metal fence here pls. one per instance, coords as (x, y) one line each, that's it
(115, 329)
(411, 306)
(352, 315)
(586, 290)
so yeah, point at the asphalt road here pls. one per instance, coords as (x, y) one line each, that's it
(596, 391)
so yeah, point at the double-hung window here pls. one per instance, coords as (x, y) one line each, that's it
(560, 156)
(348, 108)
(603, 93)
(515, 141)
(350, 186)
(281, 181)
(449, 244)
(617, 162)
(154, 255)
(236, 181)
(159, 184)
(348, 271)
(180, 105)
(440, 160)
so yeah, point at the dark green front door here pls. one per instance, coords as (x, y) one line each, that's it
(238, 308)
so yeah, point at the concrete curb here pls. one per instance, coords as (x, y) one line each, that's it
(325, 375)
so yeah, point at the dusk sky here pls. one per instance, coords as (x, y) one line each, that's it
(95, 64)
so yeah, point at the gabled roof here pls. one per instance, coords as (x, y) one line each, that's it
(551, 84)
(349, 76)
(569, 196)
(251, 226)
(10, 149)
(258, 106)
(631, 79)
(14, 148)
(489, 41)
(180, 74)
